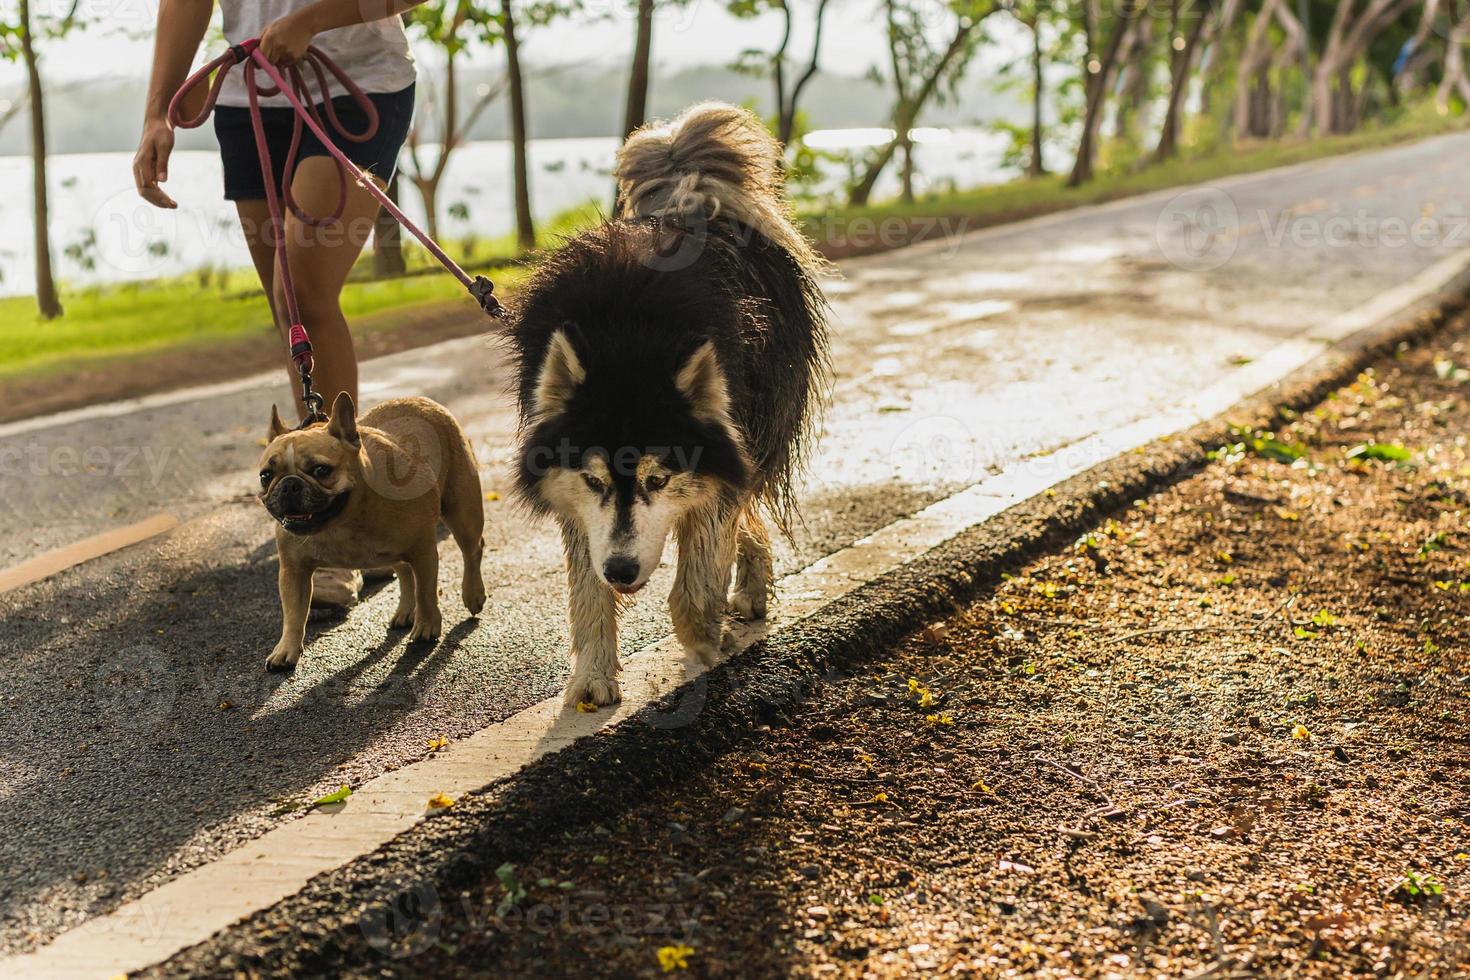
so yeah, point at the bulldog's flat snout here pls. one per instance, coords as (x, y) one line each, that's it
(291, 490)
(620, 570)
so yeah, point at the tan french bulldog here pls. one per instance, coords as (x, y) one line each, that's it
(369, 494)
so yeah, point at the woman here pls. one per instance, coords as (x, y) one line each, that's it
(366, 38)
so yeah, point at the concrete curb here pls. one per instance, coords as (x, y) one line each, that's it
(351, 917)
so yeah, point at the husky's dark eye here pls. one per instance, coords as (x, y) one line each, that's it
(321, 471)
(656, 481)
(593, 483)
(265, 478)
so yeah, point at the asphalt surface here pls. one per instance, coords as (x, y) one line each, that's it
(140, 735)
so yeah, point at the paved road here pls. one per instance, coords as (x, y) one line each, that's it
(139, 735)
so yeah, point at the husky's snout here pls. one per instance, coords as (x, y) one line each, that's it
(622, 573)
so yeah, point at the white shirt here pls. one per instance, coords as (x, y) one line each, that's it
(375, 55)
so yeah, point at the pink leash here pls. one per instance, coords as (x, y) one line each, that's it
(294, 87)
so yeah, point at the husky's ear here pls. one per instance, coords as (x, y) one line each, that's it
(702, 382)
(278, 428)
(561, 373)
(344, 420)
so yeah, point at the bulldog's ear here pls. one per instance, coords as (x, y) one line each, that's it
(344, 420)
(702, 382)
(278, 428)
(561, 373)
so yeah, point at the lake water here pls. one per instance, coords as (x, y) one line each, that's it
(113, 236)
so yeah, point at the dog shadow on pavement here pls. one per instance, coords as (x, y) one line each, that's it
(139, 714)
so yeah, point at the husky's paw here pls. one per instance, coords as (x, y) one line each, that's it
(748, 606)
(283, 657)
(599, 689)
(708, 653)
(425, 627)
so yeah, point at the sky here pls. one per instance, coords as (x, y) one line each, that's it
(118, 39)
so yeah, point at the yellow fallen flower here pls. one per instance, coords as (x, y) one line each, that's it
(441, 801)
(939, 719)
(1300, 732)
(675, 957)
(435, 744)
(586, 707)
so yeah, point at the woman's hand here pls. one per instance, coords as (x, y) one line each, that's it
(150, 163)
(284, 41)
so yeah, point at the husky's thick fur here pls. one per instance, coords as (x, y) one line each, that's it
(671, 362)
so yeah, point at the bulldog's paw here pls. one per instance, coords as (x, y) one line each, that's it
(748, 606)
(425, 627)
(283, 657)
(473, 594)
(600, 689)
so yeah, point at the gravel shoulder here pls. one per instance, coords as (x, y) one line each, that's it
(1226, 732)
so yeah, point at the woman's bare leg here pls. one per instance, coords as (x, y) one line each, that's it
(321, 256)
(255, 223)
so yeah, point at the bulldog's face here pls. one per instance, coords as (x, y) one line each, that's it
(307, 476)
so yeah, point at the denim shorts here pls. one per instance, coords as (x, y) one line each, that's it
(379, 155)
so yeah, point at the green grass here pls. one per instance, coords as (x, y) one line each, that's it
(133, 320)
(206, 309)
(1018, 198)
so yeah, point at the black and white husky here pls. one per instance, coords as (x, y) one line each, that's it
(671, 362)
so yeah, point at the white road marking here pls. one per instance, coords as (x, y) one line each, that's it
(193, 906)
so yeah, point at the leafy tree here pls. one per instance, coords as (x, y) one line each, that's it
(1101, 67)
(758, 62)
(920, 70)
(1034, 15)
(18, 42)
(453, 26)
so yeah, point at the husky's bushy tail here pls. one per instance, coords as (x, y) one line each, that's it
(714, 160)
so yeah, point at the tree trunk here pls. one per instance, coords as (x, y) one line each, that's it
(1252, 84)
(1036, 166)
(786, 109)
(1454, 79)
(1212, 57)
(388, 239)
(47, 302)
(525, 227)
(635, 113)
(907, 112)
(428, 188)
(1349, 36)
(1181, 70)
(1097, 91)
(906, 173)
(1133, 83)
(1289, 53)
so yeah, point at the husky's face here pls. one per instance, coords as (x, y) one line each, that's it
(625, 499)
(625, 516)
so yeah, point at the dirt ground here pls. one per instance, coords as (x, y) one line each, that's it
(1225, 734)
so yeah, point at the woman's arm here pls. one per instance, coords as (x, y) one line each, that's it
(285, 41)
(181, 26)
